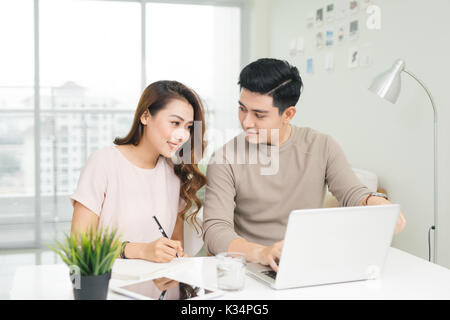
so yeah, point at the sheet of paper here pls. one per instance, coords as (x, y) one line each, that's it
(366, 55)
(136, 269)
(300, 45)
(329, 62)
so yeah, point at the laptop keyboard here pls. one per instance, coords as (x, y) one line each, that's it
(270, 273)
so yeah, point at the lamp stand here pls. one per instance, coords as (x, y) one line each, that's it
(435, 163)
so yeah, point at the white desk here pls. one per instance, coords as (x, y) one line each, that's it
(404, 277)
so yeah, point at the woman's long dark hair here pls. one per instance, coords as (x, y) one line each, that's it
(154, 98)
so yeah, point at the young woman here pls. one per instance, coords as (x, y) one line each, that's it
(125, 185)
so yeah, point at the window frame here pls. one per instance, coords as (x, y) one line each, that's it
(36, 112)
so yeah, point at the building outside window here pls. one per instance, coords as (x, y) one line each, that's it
(81, 91)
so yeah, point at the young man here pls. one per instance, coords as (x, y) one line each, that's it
(246, 210)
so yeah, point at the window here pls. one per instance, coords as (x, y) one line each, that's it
(89, 81)
(82, 67)
(16, 55)
(91, 73)
(16, 122)
(199, 46)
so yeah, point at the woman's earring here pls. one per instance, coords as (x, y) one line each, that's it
(176, 159)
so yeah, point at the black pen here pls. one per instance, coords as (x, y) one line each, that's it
(161, 296)
(162, 230)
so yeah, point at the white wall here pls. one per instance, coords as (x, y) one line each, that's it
(394, 141)
(259, 12)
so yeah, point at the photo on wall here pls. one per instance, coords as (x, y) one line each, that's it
(296, 46)
(341, 34)
(353, 57)
(310, 20)
(366, 4)
(329, 61)
(310, 66)
(366, 55)
(293, 48)
(319, 40)
(319, 17)
(353, 7)
(353, 30)
(329, 16)
(329, 38)
(340, 9)
(300, 45)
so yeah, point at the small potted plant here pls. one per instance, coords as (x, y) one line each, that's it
(90, 256)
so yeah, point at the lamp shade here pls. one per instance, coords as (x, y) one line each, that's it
(387, 85)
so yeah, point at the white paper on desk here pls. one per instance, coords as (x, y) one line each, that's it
(136, 269)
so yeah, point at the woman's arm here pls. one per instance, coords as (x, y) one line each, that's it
(83, 218)
(161, 250)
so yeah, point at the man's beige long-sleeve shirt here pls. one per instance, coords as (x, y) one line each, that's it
(249, 200)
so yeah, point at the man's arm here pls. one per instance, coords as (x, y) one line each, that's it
(218, 218)
(342, 181)
(346, 187)
(378, 201)
(219, 205)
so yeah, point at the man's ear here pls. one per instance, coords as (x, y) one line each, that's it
(288, 114)
(145, 117)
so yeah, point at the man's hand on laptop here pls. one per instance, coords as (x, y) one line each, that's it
(266, 255)
(271, 255)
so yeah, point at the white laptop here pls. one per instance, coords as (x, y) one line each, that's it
(332, 245)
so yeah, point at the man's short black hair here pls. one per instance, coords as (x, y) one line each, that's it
(273, 77)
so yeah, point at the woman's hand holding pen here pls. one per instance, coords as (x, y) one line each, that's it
(162, 250)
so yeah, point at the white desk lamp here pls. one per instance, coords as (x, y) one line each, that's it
(388, 85)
